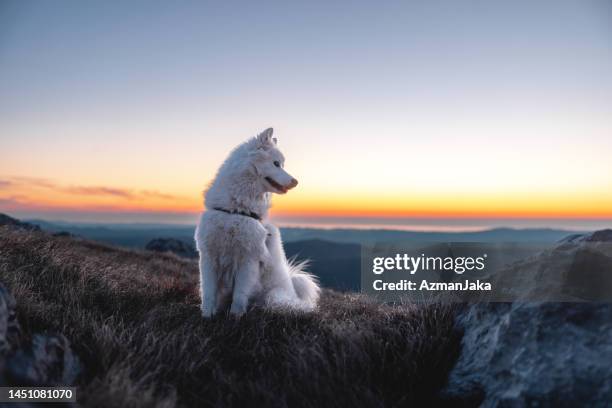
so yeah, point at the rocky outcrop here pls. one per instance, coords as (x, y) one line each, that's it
(174, 246)
(597, 236)
(541, 353)
(577, 269)
(10, 330)
(45, 360)
(555, 354)
(600, 236)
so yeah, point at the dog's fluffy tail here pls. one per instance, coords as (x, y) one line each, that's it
(305, 284)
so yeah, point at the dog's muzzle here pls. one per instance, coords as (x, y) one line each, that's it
(292, 184)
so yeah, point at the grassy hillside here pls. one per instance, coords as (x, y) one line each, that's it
(133, 319)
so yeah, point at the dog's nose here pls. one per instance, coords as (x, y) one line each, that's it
(293, 183)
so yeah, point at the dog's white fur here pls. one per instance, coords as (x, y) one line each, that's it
(242, 260)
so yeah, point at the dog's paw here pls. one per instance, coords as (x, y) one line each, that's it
(237, 310)
(207, 313)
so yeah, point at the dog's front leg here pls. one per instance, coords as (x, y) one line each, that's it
(246, 282)
(208, 288)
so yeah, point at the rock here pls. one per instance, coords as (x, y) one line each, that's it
(600, 236)
(555, 354)
(12, 222)
(174, 246)
(574, 238)
(578, 268)
(10, 332)
(46, 360)
(63, 234)
(597, 236)
(541, 353)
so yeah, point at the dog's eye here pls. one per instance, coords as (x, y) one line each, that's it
(277, 163)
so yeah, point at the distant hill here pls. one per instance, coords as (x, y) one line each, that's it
(542, 235)
(126, 235)
(138, 235)
(12, 222)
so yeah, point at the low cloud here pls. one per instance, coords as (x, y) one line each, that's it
(157, 194)
(9, 201)
(32, 181)
(12, 201)
(100, 191)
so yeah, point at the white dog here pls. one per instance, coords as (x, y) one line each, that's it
(242, 260)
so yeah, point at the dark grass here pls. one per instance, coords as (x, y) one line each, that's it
(133, 319)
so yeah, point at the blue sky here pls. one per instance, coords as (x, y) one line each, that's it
(508, 97)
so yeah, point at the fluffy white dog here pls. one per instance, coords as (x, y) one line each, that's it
(242, 260)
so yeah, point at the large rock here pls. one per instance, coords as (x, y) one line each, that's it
(597, 236)
(577, 269)
(172, 245)
(546, 353)
(45, 360)
(10, 331)
(48, 360)
(555, 354)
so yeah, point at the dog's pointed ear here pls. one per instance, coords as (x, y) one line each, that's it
(265, 139)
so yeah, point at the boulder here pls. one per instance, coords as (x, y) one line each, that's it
(520, 354)
(48, 360)
(577, 269)
(10, 331)
(45, 360)
(175, 246)
(541, 353)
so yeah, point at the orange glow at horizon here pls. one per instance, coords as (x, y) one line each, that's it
(526, 205)
(48, 197)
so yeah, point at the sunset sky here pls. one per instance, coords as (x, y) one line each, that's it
(407, 110)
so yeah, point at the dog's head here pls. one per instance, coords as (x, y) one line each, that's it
(268, 163)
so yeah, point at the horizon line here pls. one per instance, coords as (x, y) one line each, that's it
(476, 224)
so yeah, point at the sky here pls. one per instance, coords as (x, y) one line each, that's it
(405, 112)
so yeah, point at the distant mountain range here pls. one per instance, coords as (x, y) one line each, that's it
(138, 235)
(334, 254)
(127, 235)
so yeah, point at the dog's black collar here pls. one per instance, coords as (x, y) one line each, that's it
(246, 214)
